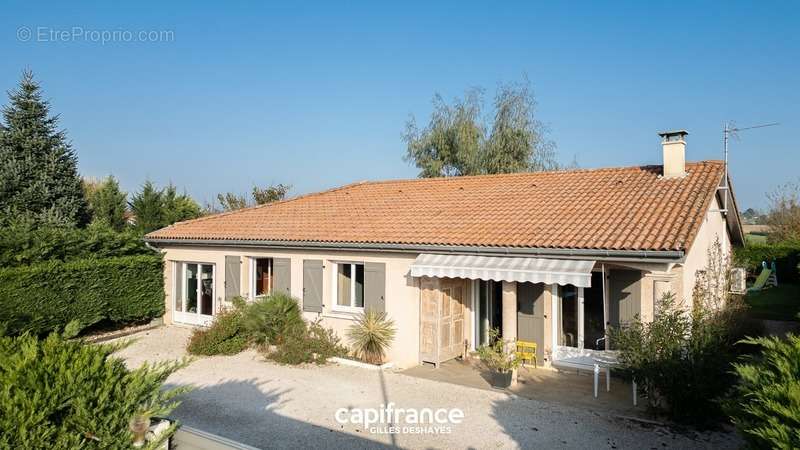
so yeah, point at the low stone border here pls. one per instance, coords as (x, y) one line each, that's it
(359, 364)
(102, 337)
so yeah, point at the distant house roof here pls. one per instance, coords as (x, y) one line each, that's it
(631, 208)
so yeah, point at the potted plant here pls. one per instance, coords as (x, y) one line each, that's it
(140, 424)
(500, 362)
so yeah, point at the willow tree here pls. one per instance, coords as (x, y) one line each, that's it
(459, 140)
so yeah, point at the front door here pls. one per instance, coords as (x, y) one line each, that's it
(441, 319)
(530, 315)
(194, 297)
(451, 319)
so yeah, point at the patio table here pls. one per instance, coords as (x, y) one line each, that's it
(595, 362)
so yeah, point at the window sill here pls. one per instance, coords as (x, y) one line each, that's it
(340, 314)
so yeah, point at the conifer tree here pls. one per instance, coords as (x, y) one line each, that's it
(107, 203)
(178, 207)
(155, 208)
(39, 178)
(147, 207)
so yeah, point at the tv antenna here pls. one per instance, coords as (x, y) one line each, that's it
(731, 130)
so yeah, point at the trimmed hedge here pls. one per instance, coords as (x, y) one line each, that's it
(43, 297)
(785, 254)
(22, 244)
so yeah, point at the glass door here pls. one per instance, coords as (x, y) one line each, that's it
(194, 296)
(578, 319)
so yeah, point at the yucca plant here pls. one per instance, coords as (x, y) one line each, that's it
(371, 336)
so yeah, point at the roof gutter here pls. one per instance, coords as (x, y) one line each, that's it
(655, 256)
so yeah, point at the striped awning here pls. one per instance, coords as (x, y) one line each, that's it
(534, 270)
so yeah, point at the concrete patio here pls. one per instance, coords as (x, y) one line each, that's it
(548, 385)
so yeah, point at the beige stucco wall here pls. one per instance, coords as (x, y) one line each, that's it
(402, 291)
(674, 154)
(401, 300)
(680, 278)
(713, 228)
(548, 325)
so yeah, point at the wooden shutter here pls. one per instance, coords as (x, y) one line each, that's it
(429, 298)
(530, 315)
(282, 275)
(626, 296)
(312, 285)
(375, 287)
(233, 277)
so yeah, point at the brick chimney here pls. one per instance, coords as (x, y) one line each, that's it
(673, 144)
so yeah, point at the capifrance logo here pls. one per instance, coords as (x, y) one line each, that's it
(388, 419)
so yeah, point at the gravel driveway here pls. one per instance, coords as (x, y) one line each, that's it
(266, 405)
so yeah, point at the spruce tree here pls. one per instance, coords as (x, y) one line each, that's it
(39, 178)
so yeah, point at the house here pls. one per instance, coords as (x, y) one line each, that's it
(550, 257)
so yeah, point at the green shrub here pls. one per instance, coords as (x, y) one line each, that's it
(785, 254)
(225, 336)
(275, 325)
(22, 244)
(59, 393)
(682, 359)
(371, 336)
(495, 355)
(46, 296)
(310, 343)
(766, 406)
(268, 320)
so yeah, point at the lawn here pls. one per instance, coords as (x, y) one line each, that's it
(776, 303)
(755, 238)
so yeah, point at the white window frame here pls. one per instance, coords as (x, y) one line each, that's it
(252, 269)
(195, 318)
(335, 306)
(578, 319)
(563, 351)
(473, 306)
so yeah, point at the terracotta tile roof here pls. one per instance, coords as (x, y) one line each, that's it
(629, 208)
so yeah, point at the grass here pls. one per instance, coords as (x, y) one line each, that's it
(775, 303)
(755, 238)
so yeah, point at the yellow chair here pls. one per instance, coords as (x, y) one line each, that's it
(526, 351)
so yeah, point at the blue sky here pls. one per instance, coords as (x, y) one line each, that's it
(317, 95)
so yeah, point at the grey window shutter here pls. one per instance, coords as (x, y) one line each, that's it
(312, 285)
(233, 277)
(626, 296)
(375, 287)
(282, 272)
